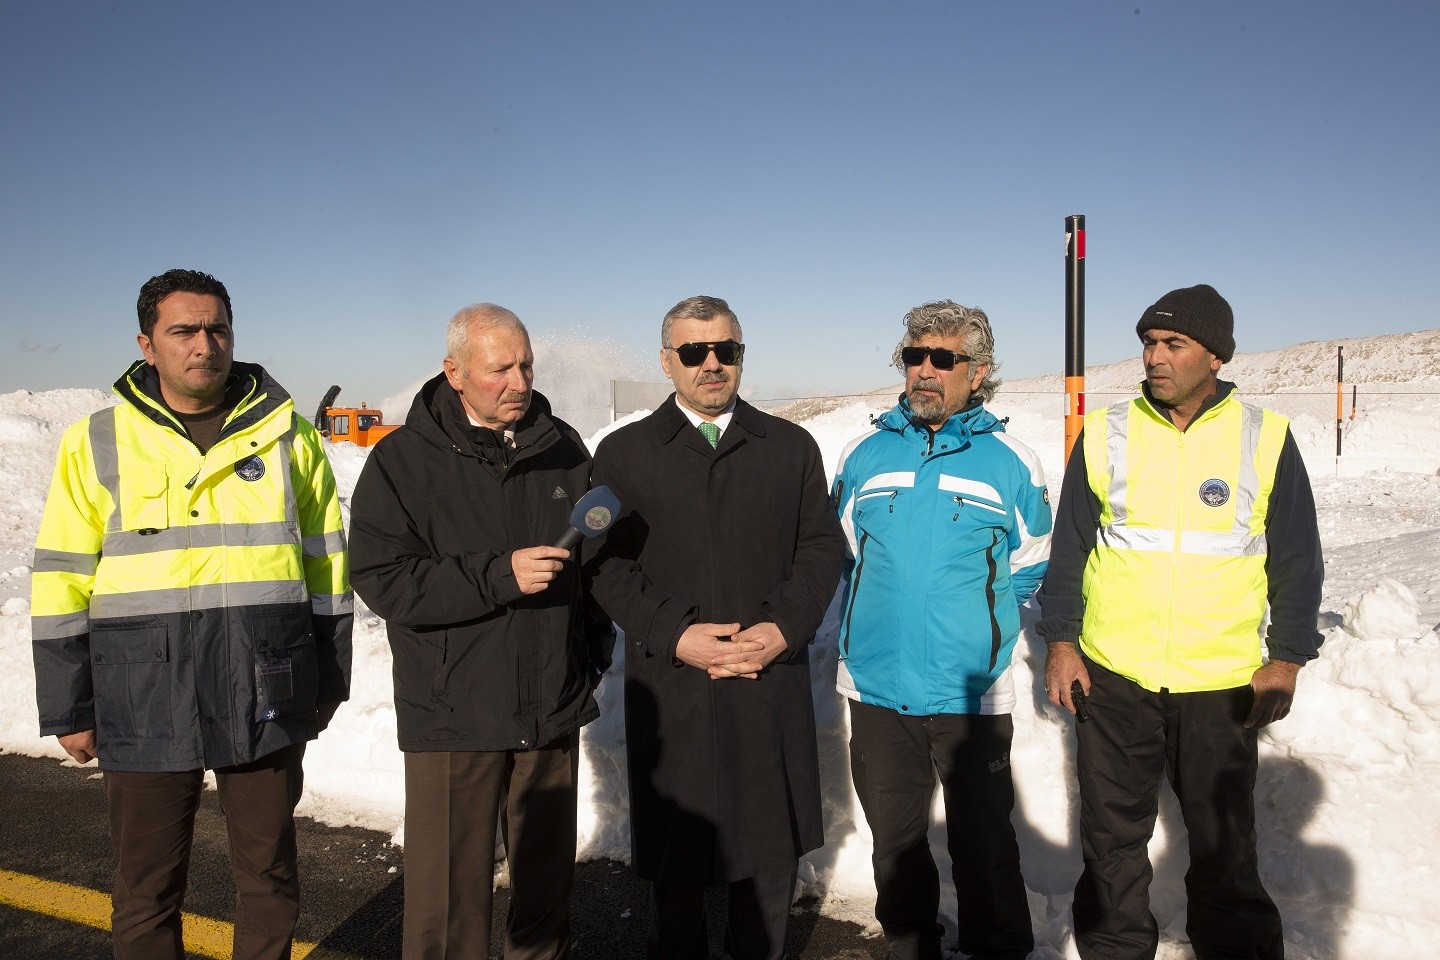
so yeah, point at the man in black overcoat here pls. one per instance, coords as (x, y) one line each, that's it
(719, 572)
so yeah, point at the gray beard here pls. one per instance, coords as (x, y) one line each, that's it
(926, 408)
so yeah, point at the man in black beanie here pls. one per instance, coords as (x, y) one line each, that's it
(1185, 514)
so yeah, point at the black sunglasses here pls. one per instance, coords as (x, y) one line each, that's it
(940, 358)
(727, 352)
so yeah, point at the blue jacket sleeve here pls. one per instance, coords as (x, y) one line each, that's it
(1030, 536)
(842, 501)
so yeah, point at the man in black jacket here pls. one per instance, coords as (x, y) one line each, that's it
(495, 659)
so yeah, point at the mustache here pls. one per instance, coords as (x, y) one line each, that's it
(714, 376)
(515, 396)
(927, 383)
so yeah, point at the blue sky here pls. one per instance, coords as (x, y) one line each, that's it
(355, 173)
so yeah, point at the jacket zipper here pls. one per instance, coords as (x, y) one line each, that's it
(1174, 573)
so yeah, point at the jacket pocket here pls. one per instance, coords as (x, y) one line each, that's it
(147, 502)
(287, 671)
(438, 661)
(131, 670)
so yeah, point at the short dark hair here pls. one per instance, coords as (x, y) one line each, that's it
(176, 281)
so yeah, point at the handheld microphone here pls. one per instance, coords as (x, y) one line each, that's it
(591, 517)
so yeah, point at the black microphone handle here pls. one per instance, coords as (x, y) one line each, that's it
(569, 539)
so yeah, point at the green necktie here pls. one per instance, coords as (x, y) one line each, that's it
(710, 432)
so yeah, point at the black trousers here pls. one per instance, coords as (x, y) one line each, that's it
(152, 825)
(757, 912)
(1199, 740)
(894, 760)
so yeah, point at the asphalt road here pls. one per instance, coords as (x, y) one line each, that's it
(55, 827)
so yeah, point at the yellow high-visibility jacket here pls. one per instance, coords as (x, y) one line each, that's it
(191, 608)
(1176, 588)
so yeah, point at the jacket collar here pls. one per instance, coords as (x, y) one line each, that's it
(438, 415)
(669, 422)
(973, 420)
(251, 395)
(1224, 389)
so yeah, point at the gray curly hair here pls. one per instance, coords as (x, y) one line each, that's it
(946, 318)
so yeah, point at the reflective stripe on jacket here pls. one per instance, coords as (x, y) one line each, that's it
(192, 609)
(1175, 589)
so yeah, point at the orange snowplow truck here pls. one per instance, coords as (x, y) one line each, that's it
(360, 425)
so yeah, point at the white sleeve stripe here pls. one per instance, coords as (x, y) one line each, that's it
(1032, 550)
(1026, 456)
(847, 523)
(900, 478)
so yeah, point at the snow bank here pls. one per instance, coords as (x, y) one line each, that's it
(1348, 783)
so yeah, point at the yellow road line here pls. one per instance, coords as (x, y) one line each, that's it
(205, 936)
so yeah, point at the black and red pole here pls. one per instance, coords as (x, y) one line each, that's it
(1339, 399)
(1074, 329)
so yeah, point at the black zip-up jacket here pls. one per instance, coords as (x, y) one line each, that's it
(439, 508)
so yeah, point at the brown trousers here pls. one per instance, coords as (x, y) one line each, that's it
(453, 804)
(152, 825)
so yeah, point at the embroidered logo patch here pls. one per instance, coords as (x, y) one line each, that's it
(1214, 493)
(559, 494)
(252, 468)
(597, 518)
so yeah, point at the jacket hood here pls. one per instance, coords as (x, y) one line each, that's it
(438, 415)
(963, 425)
(251, 395)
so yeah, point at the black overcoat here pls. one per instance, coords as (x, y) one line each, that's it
(724, 777)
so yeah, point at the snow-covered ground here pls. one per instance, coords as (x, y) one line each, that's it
(1349, 783)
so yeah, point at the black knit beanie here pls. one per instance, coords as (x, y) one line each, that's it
(1200, 313)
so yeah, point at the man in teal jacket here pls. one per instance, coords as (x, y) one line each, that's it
(949, 527)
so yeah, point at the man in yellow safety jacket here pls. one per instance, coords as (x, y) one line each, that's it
(191, 610)
(1184, 515)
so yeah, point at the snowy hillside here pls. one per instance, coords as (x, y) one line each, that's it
(1401, 358)
(1349, 783)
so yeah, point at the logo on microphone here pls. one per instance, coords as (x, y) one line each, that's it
(597, 518)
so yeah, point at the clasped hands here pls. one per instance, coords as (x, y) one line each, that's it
(724, 650)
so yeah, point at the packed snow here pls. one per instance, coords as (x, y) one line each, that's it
(1347, 793)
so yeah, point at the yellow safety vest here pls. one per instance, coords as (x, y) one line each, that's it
(1175, 589)
(171, 586)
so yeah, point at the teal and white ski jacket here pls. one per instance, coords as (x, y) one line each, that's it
(949, 533)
